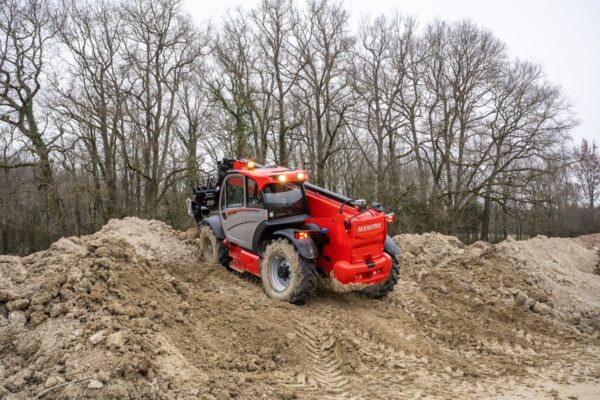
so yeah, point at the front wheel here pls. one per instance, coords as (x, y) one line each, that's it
(212, 250)
(381, 290)
(285, 274)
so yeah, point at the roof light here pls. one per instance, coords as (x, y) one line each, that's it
(391, 217)
(281, 178)
(300, 175)
(251, 165)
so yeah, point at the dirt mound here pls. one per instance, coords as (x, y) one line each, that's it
(565, 269)
(590, 241)
(129, 312)
(153, 240)
(429, 249)
(89, 308)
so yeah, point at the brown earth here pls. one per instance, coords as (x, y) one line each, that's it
(129, 312)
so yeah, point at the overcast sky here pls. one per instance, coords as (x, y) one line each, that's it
(563, 36)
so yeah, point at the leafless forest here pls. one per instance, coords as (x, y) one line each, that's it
(113, 108)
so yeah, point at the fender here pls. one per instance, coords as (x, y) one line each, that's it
(391, 247)
(311, 227)
(306, 247)
(265, 229)
(215, 223)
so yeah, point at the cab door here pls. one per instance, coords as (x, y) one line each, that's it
(231, 209)
(256, 212)
(242, 209)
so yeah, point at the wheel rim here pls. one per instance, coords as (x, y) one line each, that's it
(280, 273)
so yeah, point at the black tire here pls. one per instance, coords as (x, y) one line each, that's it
(301, 281)
(212, 249)
(383, 289)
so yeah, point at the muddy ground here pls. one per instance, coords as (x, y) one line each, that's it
(129, 312)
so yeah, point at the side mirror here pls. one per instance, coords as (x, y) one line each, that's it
(377, 206)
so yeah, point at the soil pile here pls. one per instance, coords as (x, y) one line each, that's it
(92, 308)
(566, 270)
(130, 312)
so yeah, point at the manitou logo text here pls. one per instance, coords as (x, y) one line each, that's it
(364, 228)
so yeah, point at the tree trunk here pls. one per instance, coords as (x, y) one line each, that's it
(487, 213)
(46, 175)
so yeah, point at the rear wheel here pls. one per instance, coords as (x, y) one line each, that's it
(285, 274)
(383, 289)
(212, 249)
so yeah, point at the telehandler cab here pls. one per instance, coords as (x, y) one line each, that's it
(273, 224)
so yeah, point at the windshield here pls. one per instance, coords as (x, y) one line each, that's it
(284, 199)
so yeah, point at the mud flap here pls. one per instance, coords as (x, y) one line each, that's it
(306, 247)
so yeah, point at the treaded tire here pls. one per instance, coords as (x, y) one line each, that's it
(383, 289)
(303, 275)
(212, 250)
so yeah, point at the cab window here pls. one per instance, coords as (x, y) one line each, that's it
(234, 192)
(284, 199)
(253, 195)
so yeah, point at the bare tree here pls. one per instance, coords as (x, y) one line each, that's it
(276, 21)
(194, 104)
(26, 27)
(92, 101)
(587, 172)
(380, 78)
(161, 47)
(529, 124)
(231, 87)
(324, 48)
(461, 65)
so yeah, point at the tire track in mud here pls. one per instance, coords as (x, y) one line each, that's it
(379, 366)
(409, 297)
(324, 368)
(489, 351)
(385, 368)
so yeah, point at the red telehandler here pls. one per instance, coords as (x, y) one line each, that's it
(273, 224)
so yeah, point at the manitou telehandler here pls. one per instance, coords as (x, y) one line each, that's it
(273, 224)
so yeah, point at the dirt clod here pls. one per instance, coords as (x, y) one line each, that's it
(53, 381)
(541, 308)
(98, 337)
(17, 305)
(94, 384)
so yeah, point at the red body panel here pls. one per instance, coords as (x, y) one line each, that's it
(243, 260)
(345, 273)
(358, 250)
(354, 255)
